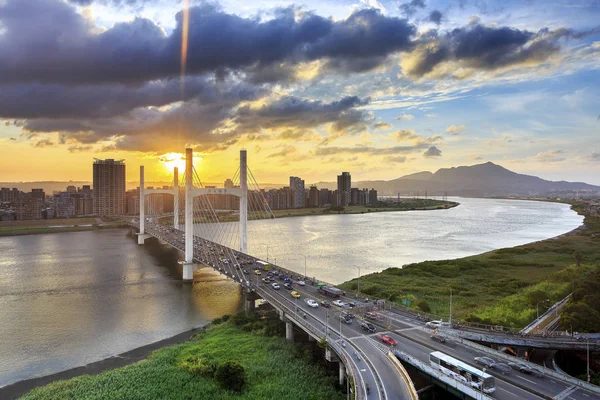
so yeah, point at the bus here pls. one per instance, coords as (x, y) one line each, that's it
(462, 372)
(330, 291)
(265, 266)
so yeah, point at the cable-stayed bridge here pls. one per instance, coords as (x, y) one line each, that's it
(214, 234)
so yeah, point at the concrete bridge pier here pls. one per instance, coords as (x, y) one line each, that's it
(250, 302)
(188, 271)
(289, 331)
(342, 377)
(141, 237)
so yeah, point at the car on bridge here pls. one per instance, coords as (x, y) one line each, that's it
(312, 303)
(339, 303)
(367, 326)
(371, 315)
(257, 272)
(325, 304)
(301, 283)
(265, 280)
(485, 361)
(288, 286)
(387, 339)
(275, 286)
(438, 338)
(526, 369)
(345, 319)
(502, 368)
(295, 294)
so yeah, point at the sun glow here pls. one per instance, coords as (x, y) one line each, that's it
(172, 160)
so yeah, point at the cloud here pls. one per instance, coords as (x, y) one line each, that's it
(432, 152)
(595, 156)
(381, 125)
(405, 117)
(474, 47)
(395, 150)
(284, 152)
(475, 157)
(396, 159)
(456, 130)
(405, 135)
(550, 156)
(44, 143)
(436, 17)
(139, 50)
(499, 142)
(410, 8)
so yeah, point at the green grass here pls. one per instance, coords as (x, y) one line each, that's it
(274, 368)
(501, 287)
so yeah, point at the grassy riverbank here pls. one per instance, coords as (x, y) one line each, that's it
(501, 287)
(274, 369)
(33, 227)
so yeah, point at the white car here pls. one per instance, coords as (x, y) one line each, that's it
(434, 324)
(339, 303)
(312, 303)
(301, 283)
(276, 286)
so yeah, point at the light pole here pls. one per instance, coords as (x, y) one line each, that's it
(537, 307)
(326, 323)
(571, 330)
(588, 357)
(267, 253)
(450, 319)
(358, 290)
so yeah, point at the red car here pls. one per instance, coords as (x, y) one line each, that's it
(387, 339)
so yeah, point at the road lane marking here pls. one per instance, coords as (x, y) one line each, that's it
(525, 379)
(585, 394)
(504, 390)
(552, 381)
(406, 329)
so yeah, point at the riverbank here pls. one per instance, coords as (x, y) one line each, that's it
(500, 287)
(34, 227)
(273, 368)
(15, 390)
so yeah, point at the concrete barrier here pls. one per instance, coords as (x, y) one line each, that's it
(404, 374)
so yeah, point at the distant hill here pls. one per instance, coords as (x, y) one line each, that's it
(481, 180)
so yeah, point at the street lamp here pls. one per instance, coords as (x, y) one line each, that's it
(267, 253)
(302, 255)
(588, 357)
(537, 307)
(358, 290)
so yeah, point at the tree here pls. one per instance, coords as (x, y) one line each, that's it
(231, 375)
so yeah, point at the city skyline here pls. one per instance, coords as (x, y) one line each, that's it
(426, 85)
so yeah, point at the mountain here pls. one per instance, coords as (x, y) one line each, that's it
(481, 180)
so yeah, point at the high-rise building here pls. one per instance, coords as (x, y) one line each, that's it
(298, 195)
(344, 185)
(373, 196)
(324, 197)
(354, 197)
(109, 187)
(313, 197)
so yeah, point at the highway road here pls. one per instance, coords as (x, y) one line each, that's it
(412, 336)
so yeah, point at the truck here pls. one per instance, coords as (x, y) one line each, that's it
(331, 291)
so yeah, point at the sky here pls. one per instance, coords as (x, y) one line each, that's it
(310, 88)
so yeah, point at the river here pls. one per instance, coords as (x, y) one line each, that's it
(68, 299)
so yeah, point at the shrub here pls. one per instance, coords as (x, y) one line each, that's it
(204, 365)
(423, 306)
(231, 375)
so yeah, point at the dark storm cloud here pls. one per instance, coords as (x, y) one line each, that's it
(432, 152)
(410, 8)
(436, 17)
(301, 114)
(487, 47)
(35, 100)
(48, 41)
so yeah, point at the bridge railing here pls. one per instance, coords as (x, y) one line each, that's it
(402, 371)
(553, 308)
(448, 380)
(506, 358)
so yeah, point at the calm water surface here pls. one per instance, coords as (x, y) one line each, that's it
(72, 298)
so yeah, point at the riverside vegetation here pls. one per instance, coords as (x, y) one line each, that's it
(503, 287)
(235, 358)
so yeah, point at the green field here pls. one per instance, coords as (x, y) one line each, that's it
(501, 287)
(33, 227)
(274, 369)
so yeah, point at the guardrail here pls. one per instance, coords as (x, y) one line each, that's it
(413, 391)
(458, 385)
(379, 382)
(553, 308)
(505, 357)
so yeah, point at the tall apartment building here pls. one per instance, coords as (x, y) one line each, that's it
(344, 186)
(373, 196)
(109, 187)
(298, 195)
(313, 197)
